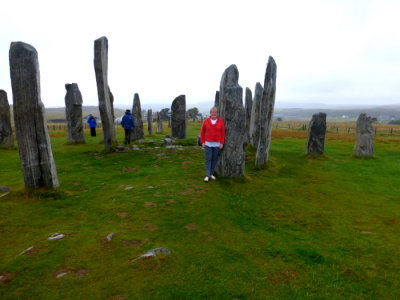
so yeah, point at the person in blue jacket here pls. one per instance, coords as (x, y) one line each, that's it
(92, 124)
(128, 122)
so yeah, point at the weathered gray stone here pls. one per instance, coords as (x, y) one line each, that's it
(159, 123)
(38, 166)
(254, 126)
(103, 91)
(137, 132)
(112, 103)
(248, 104)
(73, 112)
(168, 141)
(231, 110)
(216, 101)
(178, 117)
(150, 121)
(316, 134)
(153, 253)
(6, 136)
(364, 136)
(266, 113)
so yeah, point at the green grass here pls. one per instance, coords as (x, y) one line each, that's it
(303, 228)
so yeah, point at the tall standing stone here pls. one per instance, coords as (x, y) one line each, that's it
(150, 121)
(248, 104)
(254, 126)
(6, 136)
(73, 112)
(137, 132)
(112, 104)
(37, 162)
(178, 117)
(232, 159)
(316, 134)
(159, 123)
(364, 136)
(216, 101)
(266, 113)
(103, 91)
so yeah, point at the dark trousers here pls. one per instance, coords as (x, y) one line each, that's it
(211, 154)
(93, 131)
(128, 136)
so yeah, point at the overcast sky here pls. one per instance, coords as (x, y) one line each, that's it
(327, 51)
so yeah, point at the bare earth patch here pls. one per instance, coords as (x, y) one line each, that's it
(283, 277)
(118, 297)
(129, 170)
(134, 243)
(122, 214)
(192, 226)
(149, 204)
(150, 227)
(5, 277)
(81, 272)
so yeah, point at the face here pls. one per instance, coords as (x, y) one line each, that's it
(214, 114)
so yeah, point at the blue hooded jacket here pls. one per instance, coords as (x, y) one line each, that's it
(128, 122)
(92, 122)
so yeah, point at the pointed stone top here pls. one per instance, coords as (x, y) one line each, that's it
(22, 45)
(103, 38)
(258, 86)
(136, 97)
(21, 49)
(70, 85)
(230, 77)
(180, 98)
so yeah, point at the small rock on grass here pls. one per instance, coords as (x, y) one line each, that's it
(153, 253)
(56, 236)
(26, 250)
(5, 189)
(110, 236)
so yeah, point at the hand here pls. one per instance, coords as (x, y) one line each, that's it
(203, 145)
(221, 146)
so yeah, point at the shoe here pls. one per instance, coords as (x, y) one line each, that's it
(213, 177)
(206, 179)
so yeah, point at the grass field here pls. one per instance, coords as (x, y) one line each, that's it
(303, 228)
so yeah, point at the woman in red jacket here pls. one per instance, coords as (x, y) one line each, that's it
(212, 137)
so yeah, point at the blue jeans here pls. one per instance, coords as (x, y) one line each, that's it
(211, 154)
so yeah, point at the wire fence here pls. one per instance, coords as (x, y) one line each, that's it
(349, 128)
(340, 127)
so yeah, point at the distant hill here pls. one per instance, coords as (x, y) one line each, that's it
(382, 113)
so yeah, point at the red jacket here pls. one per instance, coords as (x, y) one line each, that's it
(213, 133)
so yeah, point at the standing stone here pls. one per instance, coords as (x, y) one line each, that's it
(178, 117)
(112, 104)
(37, 162)
(232, 159)
(159, 123)
(6, 136)
(150, 121)
(216, 101)
(266, 113)
(316, 134)
(73, 112)
(103, 91)
(248, 103)
(364, 136)
(254, 126)
(137, 132)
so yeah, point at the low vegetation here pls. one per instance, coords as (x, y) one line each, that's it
(305, 227)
